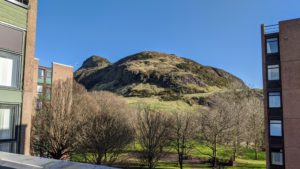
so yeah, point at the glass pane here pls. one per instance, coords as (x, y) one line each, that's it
(8, 147)
(41, 73)
(40, 89)
(274, 100)
(49, 74)
(273, 72)
(277, 158)
(6, 124)
(272, 45)
(9, 69)
(275, 128)
(6, 71)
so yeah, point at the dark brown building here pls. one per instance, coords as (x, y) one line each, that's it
(281, 74)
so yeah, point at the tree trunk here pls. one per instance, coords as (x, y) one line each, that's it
(256, 154)
(215, 153)
(99, 160)
(180, 160)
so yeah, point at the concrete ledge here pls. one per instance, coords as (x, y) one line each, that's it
(16, 161)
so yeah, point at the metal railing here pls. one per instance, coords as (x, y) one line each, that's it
(269, 29)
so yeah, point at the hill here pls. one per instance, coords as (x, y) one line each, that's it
(153, 74)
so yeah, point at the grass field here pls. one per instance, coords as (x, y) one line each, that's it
(198, 158)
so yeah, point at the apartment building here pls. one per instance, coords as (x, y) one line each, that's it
(281, 75)
(46, 76)
(17, 47)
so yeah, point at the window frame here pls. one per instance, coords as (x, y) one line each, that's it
(17, 69)
(280, 97)
(277, 151)
(272, 53)
(16, 121)
(41, 70)
(49, 74)
(268, 73)
(19, 3)
(39, 86)
(270, 127)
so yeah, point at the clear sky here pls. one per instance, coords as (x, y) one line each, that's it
(220, 33)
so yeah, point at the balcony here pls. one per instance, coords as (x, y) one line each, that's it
(271, 29)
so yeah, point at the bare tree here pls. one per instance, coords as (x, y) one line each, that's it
(57, 125)
(153, 133)
(183, 132)
(108, 130)
(255, 124)
(215, 124)
(235, 104)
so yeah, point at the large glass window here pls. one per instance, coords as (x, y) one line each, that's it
(8, 121)
(275, 128)
(9, 70)
(273, 72)
(276, 157)
(274, 100)
(272, 45)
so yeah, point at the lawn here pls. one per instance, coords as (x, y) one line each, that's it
(198, 158)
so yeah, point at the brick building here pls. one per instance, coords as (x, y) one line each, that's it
(47, 76)
(281, 72)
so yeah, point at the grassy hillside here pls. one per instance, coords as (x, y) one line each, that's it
(148, 74)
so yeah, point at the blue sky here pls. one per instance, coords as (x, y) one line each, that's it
(220, 33)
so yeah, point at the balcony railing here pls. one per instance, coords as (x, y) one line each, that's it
(269, 29)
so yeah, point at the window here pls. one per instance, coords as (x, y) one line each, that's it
(8, 147)
(48, 91)
(273, 72)
(49, 74)
(8, 116)
(277, 157)
(9, 70)
(40, 89)
(39, 105)
(41, 72)
(272, 45)
(275, 128)
(23, 3)
(274, 100)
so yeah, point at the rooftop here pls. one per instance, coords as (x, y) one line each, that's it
(16, 161)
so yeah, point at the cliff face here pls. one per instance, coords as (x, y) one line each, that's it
(148, 74)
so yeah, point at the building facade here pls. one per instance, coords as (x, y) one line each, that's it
(281, 74)
(46, 76)
(17, 48)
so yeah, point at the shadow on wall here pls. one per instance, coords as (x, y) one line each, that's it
(21, 140)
